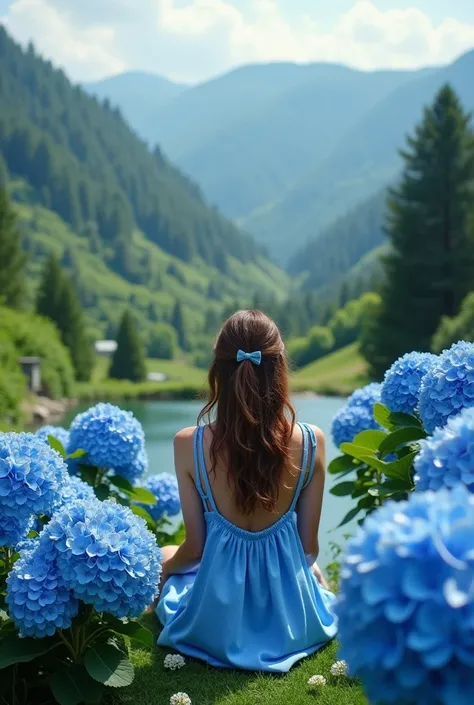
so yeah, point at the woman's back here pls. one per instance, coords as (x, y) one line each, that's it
(240, 591)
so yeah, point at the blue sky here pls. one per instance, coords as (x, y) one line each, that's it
(192, 40)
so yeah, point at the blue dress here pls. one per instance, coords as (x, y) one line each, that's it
(253, 603)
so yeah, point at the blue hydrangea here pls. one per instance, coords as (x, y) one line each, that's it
(38, 601)
(406, 602)
(165, 488)
(106, 556)
(366, 397)
(61, 434)
(13, 529)
(32, 476)
(448, 387)
(112, 437)
(134, 470)
(401, 386)
(446, 459)
(349, 421)
(76, 489)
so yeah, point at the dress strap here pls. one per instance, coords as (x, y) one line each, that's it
(200, 471)
(312, 462)
(304, 463)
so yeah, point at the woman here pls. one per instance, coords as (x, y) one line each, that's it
(244, 589)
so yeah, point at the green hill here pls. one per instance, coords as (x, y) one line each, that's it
(338, 373)
(130, 227)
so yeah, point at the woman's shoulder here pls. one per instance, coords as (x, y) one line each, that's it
(317, 431)
(185, 436)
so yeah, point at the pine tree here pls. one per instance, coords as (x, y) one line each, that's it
(430, 268)
(12, 258)
(70, 322)
(49, 291)
(177, 321)
(128, 361)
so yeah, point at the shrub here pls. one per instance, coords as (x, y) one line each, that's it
(460, 327)
(12, 383)
(319, 342)
(163, 342)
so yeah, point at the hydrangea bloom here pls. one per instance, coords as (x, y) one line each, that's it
(401, 386)
(32, 476)
(38, 600)
(111, 436)
(61, 434)
(107, 556)
(134, 470)
(14, 529)
(406, 602)
(76, 489)
(165, 488)
(349, 421)
(446, 459)
(366, 396)
(448, 387)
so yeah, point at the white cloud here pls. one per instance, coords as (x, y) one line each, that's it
(191, 41)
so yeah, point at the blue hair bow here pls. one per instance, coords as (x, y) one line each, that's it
(255, 357)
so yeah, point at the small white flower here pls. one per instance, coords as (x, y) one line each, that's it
(180, 699)
(174, 661)
(339, 669)
(317, 681)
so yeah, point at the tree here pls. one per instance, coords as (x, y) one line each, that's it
(57, 299)
(177, 321)
(128, 361)
(430, 268)
(12, 258)
(163, 342)
(461, 327)
(70, 321)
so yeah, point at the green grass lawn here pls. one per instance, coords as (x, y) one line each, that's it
(154, 685)
(338, 373)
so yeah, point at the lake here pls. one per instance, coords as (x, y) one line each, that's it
(163, 419)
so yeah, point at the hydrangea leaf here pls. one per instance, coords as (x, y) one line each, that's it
(343, 489)
(134, 630)
(140, 494)
(108, 665)
(349, 516)
(358, 452)
(343, 463)
(74, 686)
(401, 437)
(140, 512)
(57, 446)
(370, 439)
(79, 453)
(14, 650)
(121, 483)
(398, 470)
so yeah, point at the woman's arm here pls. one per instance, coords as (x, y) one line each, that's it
(311, 501)
(192, 547)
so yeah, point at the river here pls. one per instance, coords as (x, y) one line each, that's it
(162, 419)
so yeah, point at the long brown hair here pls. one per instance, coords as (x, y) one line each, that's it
(254, 418)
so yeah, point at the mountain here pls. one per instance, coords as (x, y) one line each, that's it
(324, 263)
(122, 218)
(364, 160)
(139, 95)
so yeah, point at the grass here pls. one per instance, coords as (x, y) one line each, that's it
(209, 686)
(336, 374)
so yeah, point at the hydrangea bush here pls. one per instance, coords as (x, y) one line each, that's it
(448, 387)
(402, 382)
(406, 603)
(356, 415)
(165, 488)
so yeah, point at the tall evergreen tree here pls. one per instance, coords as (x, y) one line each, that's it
(12, 258)
(177, 321)
(70, 322)
(128, 361)
(430, 268)
(57, 300)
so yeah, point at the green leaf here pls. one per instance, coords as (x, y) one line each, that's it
(349, 516)
(139, 494)
(140, 512)
(398, 470)
(134, 630)
(382, 416)
(89, 474)
(370, 439)
(392, 420)
(400, 437)
(14, 650)
(404, 420)
(57, 445)
(343, 489)
(79, 453)
(74, 685)
(343, 463)
(121, 483)
(359, 452)
(33, 534)
(102, 492)
(108, 665)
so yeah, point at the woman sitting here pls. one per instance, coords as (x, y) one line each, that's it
(244, 589)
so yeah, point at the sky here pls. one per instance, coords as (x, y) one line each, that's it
(193, 40)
